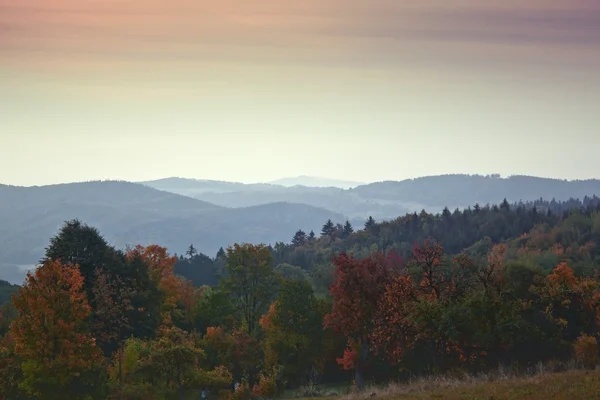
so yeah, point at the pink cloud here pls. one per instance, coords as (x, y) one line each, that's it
(120, 31)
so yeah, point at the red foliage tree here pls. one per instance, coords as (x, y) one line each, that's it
(356, 291)
(393, 333)
(429, 258)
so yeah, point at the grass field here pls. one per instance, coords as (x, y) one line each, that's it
(570, 385)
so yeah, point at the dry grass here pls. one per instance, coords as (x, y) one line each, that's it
(541, 385)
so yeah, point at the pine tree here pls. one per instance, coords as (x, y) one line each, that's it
(299, 238)
(369, 223)
(191, 251)
(446, 212)
(311, 236)
(328, 229)
(347, 230)
(220, 254)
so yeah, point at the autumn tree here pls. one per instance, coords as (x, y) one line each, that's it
(112, 319)
(436, 279)
(394, 331)
(160, 266)
(58, 353)
(357, 289)
(572, 303)
(250, 282)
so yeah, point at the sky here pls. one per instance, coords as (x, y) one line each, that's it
(249, 91)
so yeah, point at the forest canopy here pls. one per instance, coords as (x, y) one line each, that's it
(425, 293)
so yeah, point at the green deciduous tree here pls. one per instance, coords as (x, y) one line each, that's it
(251, 282)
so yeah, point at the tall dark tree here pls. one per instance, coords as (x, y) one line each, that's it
(200, 269)
(311, 235)
(220, 254)
(191, 251)
(348, 230)
(146, 297)
(328, 229)
(369, 223)
(446, 213)
(299, 238)
(79, 244)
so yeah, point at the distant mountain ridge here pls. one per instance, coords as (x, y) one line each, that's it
(460, 190)
(387, 199)
(130, 213)
(313, 181)
(176, 212)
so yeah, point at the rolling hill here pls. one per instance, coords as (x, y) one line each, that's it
(312, 181)
(130, 213)
(387, 200)
(176, 212)
(233, 194)
(436, 192)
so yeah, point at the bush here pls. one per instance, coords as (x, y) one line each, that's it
(266, 387)
(586, 351)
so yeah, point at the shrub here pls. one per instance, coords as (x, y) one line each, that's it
(586, 351)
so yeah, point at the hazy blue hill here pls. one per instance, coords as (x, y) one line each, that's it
(114, 193)
(464, 190)
(387, 200)
(312, 181)
(232, 194)
(130, 213)
(260, 224)
(194, 187)
(221, 213)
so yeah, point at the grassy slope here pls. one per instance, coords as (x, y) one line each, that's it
(571, 385)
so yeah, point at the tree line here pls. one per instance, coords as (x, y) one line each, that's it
(498, 284)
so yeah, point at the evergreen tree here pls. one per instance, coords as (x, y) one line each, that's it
(347, 230)
(311, 235)
(328, 229)
(446, 212)
(220, 254)
(299, 238)
(191, 251)
(369, 223)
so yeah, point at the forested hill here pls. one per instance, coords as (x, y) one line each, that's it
(387, 200)
(501, 285)
(572, 224)
(456, 231)
(129, 213)
(459, 190)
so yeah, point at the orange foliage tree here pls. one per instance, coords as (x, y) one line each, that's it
(160, 269)
(51, 333)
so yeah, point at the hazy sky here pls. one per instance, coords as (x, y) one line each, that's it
(255, 90)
